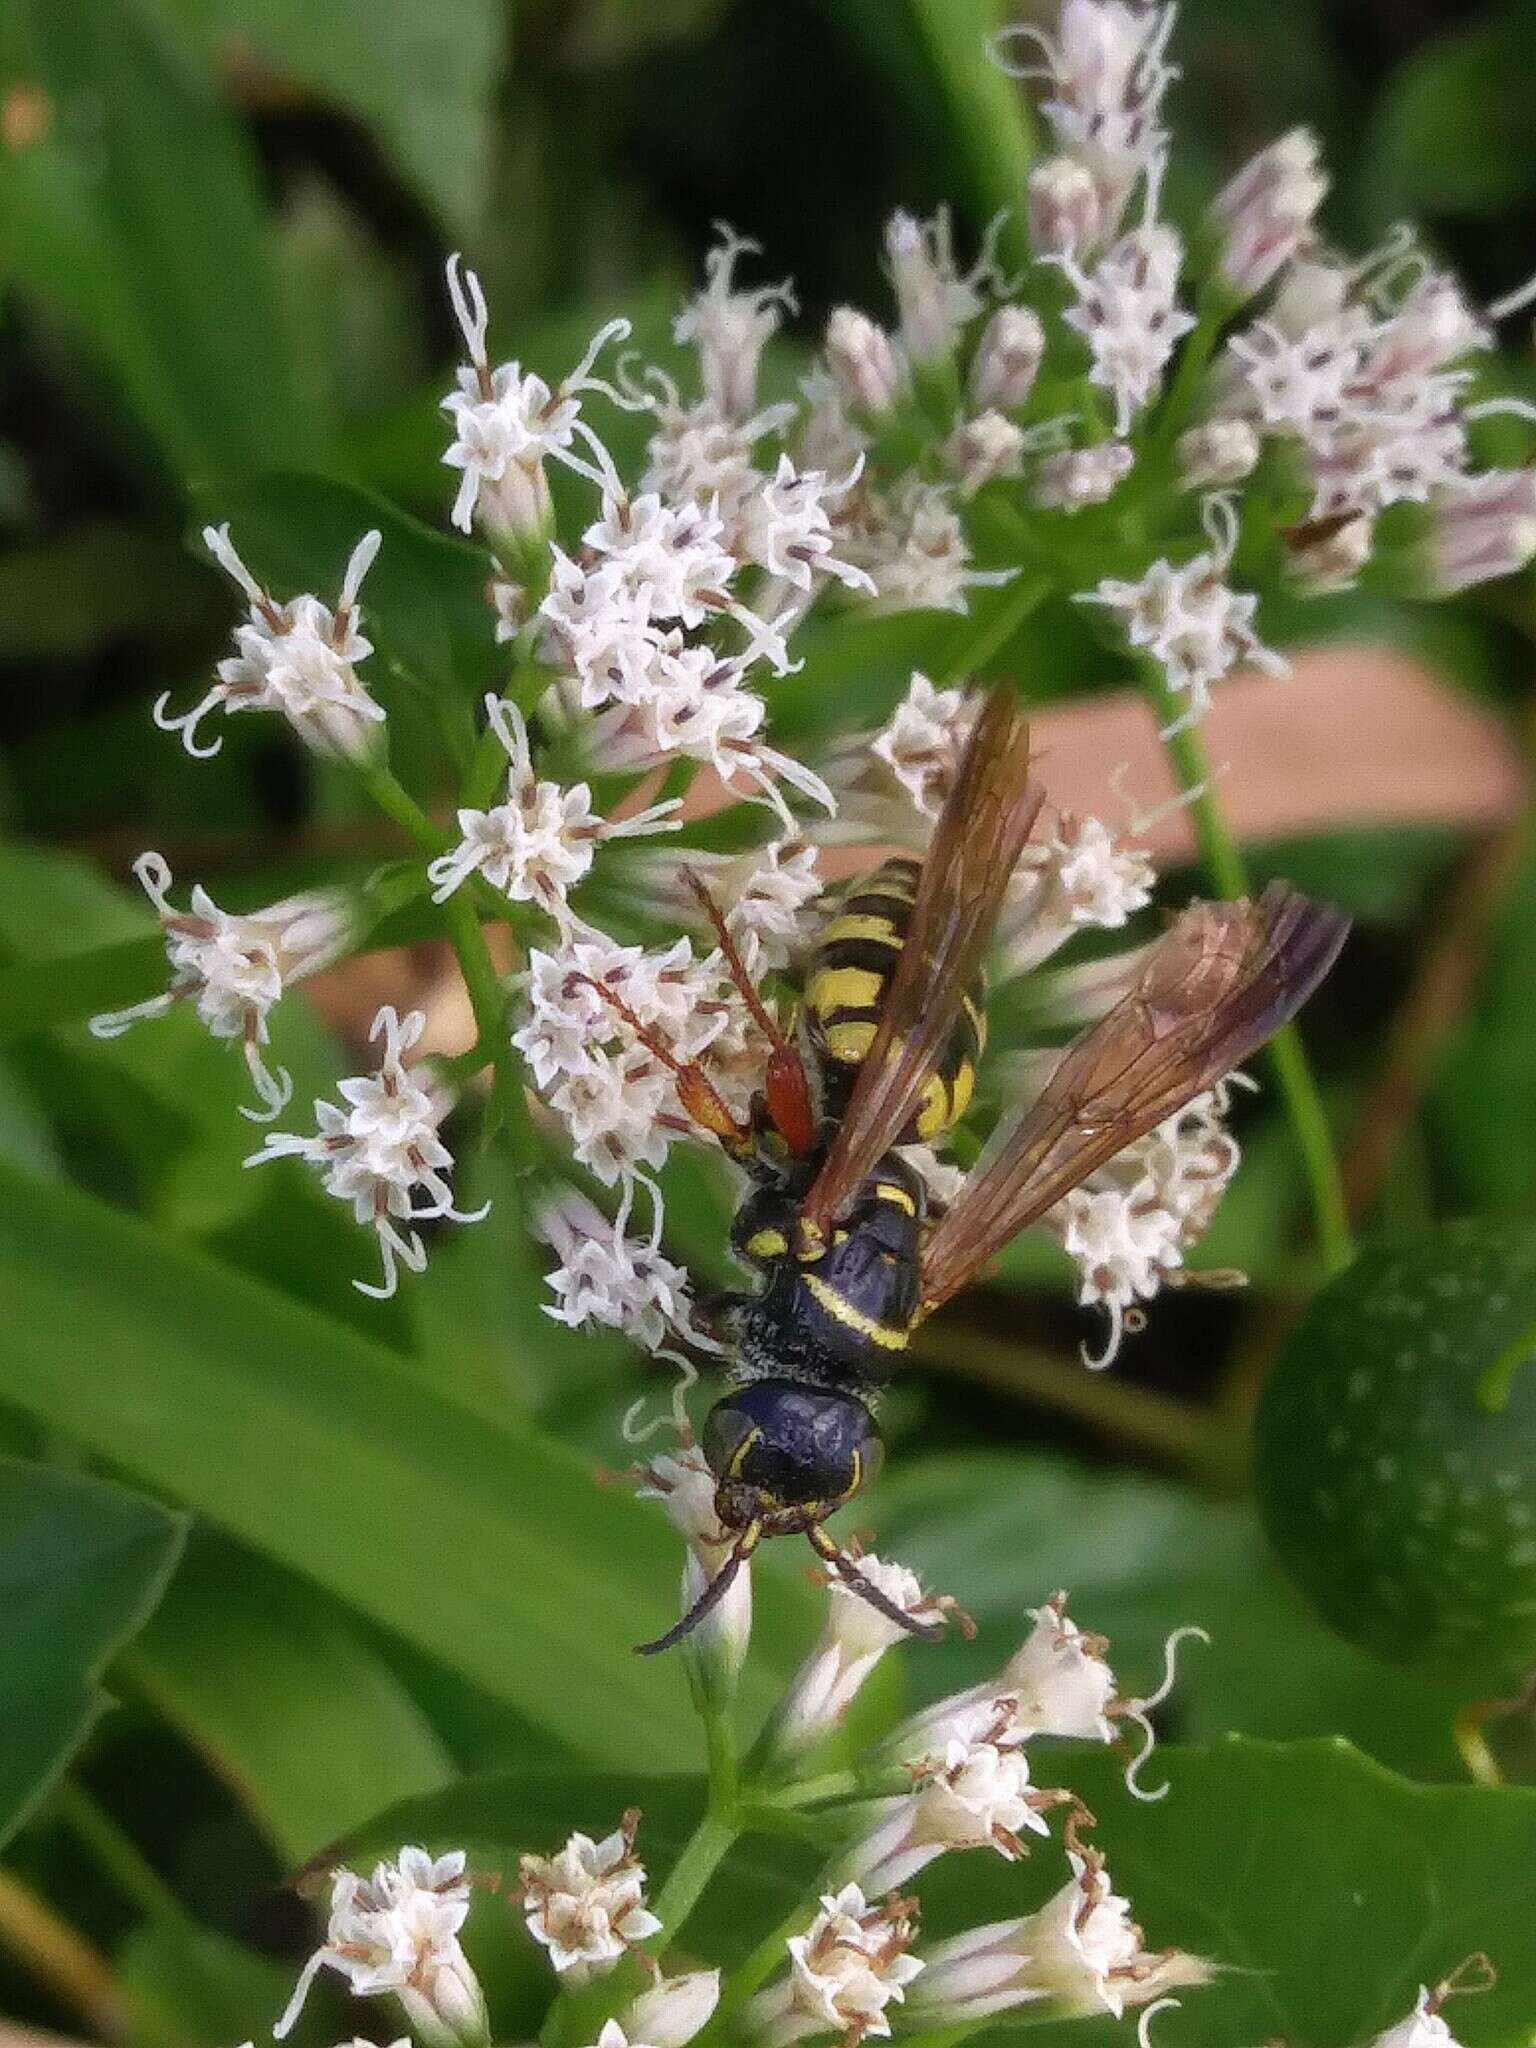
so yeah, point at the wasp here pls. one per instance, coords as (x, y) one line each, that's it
(848, 1253)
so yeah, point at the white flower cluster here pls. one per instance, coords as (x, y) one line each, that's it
(1128, 1226)
(585, 1906)
(298, 659)
(233, 968)
(398, 1931)
(381, 1150)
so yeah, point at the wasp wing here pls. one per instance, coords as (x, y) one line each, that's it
(1213, 988)
(977, 841)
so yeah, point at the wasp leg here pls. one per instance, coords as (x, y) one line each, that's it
(786, 1087)
(700, 1099)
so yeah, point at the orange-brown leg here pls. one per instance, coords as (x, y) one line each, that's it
(786, 1088)
(695, 1091)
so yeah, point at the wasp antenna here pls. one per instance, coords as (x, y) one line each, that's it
(707, 1601)
(868, 1591)
(735, 966)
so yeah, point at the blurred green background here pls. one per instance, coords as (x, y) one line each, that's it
(223, 225)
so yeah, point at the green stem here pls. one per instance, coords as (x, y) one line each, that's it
(1215, 306)
(702, 1855)
(1228, 874)
(488, 1000)
(396, 802)
(131, 1874)
(990, 627)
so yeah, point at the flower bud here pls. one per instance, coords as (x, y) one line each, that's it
(855, 1638)
(1483, 528)
(1064, 207)
(685, 1486)
(1266, 210)
(933, 300)
(865, 363)
(1218, 452)
(1083, 476)
(673, 2010)
(1007, 359)
(981, 450)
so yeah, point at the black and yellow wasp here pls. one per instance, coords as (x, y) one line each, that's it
(849, 1254)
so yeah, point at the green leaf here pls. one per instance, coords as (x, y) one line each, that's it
(1326, 1889)
(986, 106)
(137, 215)
(292, 1432)
(275, 1684)
(190, 1985)
(82, 1564)
(1140, 1557)
(97, 582)
(425, 86)
(1455, 132)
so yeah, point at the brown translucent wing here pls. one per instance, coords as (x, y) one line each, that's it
(977, 841)
(1213, 988)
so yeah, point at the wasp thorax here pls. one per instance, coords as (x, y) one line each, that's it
(784, 1455)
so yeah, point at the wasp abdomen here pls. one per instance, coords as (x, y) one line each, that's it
(850, 972)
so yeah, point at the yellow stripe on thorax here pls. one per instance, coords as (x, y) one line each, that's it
(827, 1297)
(888, 1191)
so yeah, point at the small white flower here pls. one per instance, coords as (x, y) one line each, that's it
(1424, 2027)
(695, 456)
(1075, 477)
(786, 528)
(848, 1967)
(1057, 1683)
(398, 1931)
(685, 1486)
(914, 548)
(973, 1793)
(1064, 207)
(1081, 875)
(1007, 359)
(298, 658)
(865, 362)
(983, 449)
(1107, 74)
(234, 968)
(586, 1904)
(1129, 1225)
(730, 328)
(1220, 451)
(538, 844)
(507, 423)
(1127, 310)
(1482, 528)
(1191, 621)
(1266, 211)
(382, 1148)
(933, 301)
(673, 554)
(670, 2013)
(852, 1642)
(763, 894)
(921, 743)
(1082, 1952)
(609, 1279)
